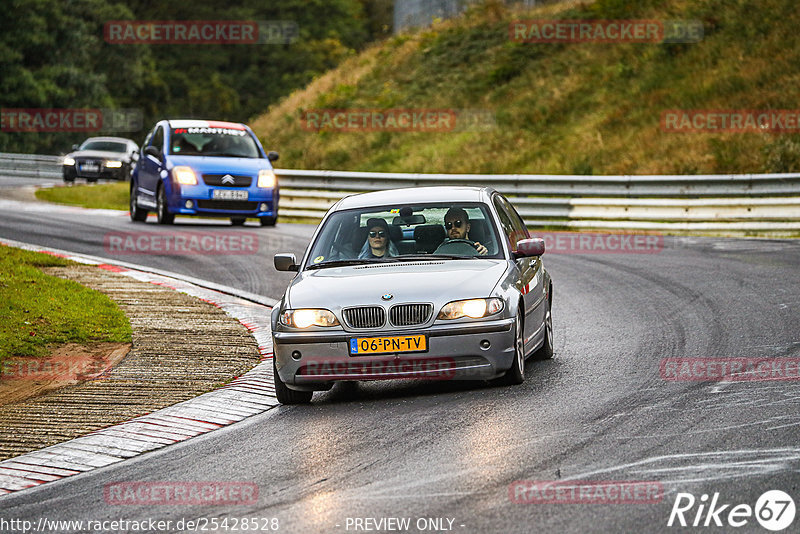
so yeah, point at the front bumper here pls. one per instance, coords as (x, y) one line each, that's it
(121, 173)
(467, 351)
(260, 203)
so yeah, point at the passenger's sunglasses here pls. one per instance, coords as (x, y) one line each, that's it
(377, 234)
(449, 225)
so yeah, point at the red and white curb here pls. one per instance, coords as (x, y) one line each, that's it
(250, 394)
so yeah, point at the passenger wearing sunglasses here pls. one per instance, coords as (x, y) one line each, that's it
(378, 244)
(456, 223)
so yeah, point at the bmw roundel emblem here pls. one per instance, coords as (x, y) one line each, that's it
(387, 296)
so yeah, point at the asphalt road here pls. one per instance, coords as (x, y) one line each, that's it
(599, 411)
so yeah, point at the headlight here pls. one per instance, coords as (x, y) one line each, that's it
(308, 317)
(68, 161)
(113, 164)
(475, 308)
(184, 175)
(266, 178)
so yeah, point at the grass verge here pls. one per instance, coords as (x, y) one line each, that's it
(100, 196)
(40, 310)
(559, 108)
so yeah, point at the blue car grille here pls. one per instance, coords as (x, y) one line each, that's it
(217, 180)
(410, 314)
(364, 317)
(233, 205)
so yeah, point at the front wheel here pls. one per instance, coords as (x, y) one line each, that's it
(286, 395)
(268, 221)
(164, 216)
(137, 213)
(516, 375)
(238, 221)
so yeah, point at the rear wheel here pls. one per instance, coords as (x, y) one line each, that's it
(238, 221)
(137, 213)
(546, 351)
(164, 216)
(286, 395)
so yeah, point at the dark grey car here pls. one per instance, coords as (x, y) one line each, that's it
(389, 288)
(101, 157)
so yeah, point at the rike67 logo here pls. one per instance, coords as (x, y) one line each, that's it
(774, 510)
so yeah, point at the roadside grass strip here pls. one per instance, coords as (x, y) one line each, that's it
(251, 394)
(97, 196)
(40, 310)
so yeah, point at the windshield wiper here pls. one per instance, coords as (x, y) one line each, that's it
(418, 257)
(339, 263)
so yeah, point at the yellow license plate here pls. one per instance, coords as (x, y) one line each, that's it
(383, 345)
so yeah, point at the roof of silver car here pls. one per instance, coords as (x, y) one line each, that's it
(415, 195)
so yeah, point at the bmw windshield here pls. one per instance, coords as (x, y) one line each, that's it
(401, 233)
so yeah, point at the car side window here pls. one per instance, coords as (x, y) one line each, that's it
(516, 221)
(158, 138)
(505, 222)
(146, 142)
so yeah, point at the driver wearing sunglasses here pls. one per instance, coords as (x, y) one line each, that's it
(456, 223)
(378, 244)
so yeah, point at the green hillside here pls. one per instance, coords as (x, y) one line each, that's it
(565, 108)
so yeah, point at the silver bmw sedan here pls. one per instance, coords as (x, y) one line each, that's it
(436, 283)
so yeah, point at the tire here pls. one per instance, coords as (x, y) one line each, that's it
(91, 180)
(69, 179)
(516, 375)
(546, 351)
(137, 213)
(268, 221)
(238, 221)
(286, 395)
(164, 216)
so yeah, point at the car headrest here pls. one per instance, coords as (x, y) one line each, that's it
(478, 230)
(429, 237)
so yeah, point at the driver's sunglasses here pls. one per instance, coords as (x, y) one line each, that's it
(449, 225)
(377, 234)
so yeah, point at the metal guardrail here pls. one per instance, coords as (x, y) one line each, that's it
(30, 165)
(738, 203)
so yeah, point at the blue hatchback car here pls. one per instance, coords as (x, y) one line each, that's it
(209, 168)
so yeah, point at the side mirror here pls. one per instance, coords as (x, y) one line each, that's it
(74, 147)
(153, 151)
(286, 262)
(272, 155)
(530, 247)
